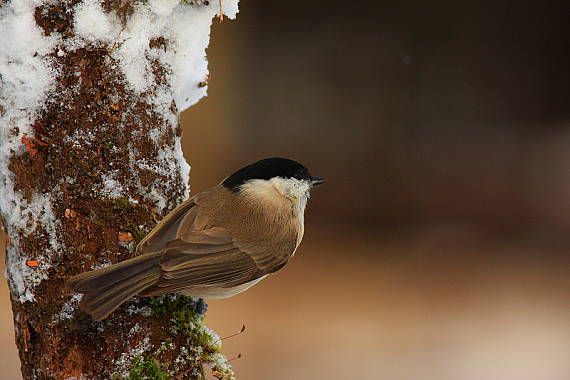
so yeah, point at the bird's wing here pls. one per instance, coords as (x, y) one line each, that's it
(212, 257)
(167, 229)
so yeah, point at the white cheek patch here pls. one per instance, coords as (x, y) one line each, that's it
(277, 190)
(291, 187)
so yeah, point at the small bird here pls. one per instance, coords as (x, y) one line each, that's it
(214, 245)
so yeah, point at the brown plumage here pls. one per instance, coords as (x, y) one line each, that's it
(214, 245)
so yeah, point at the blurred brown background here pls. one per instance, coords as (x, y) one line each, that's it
(439, 248)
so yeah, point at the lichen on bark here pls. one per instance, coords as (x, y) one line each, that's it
(89, 163)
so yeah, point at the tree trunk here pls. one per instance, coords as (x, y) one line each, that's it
(90, 160)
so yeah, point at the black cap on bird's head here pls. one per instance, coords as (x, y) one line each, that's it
(270, 168)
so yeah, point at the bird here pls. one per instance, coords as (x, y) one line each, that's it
(216, 244)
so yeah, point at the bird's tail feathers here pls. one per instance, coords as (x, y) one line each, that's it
(108, 288)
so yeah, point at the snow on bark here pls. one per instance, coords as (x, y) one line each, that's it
(90, 93)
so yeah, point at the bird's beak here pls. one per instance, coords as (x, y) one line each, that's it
(316, 181)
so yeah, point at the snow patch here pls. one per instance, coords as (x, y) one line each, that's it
(154, 191)
(93, 24)
(112, 188)
(142, 310)
(123, 364)
(221, 364)
(68, 309)
(26, 69)
(24, 215)
(186, 33)
(184, 167)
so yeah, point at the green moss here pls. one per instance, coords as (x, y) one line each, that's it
(122, 203)
(148, 369)
(203, 346)
(182, 310)
(187, 315)
(138, 234)
(204, 339)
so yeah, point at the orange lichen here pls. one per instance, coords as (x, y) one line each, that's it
(33, 263)
(125, 236)
(30, 143)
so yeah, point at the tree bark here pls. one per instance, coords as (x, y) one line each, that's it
(90, 160)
